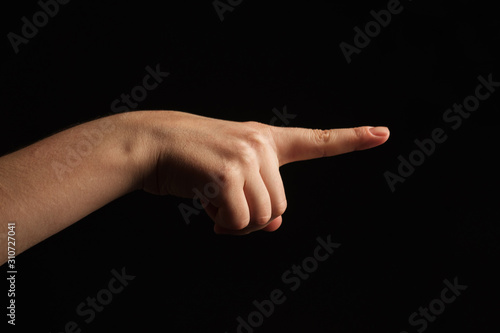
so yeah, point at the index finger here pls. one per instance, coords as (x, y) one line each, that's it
(298, 144)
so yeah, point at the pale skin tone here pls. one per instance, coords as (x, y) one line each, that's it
(57, 181)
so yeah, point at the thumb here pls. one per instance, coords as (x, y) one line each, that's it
(298, 144)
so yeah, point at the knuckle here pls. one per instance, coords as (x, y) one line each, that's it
(246, 157)
(255, 125)
(359, 132)
(262, 220)
(264, 217)
(358, 137)
(227, 173)
(256, 140)
(321, 137)
(280, 208)
(252, 144)
(235, 220)
(233, 224)
(239, 224)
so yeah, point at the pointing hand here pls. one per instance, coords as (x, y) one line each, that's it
(243, 159)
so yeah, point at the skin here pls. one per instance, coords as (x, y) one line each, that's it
(57, 181)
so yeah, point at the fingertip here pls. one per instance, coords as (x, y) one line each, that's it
(379, 131)
(224, 231)
(371, 137)
(232, 219)
(274, 224)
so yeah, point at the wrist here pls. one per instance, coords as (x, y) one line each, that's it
(143, 138)
(134, 146)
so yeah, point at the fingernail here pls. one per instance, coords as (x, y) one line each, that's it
(379, 131)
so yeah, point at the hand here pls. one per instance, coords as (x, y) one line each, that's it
(243, 158)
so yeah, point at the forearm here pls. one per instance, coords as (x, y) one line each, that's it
(57, 181)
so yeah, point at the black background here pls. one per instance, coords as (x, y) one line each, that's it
(397, 248)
